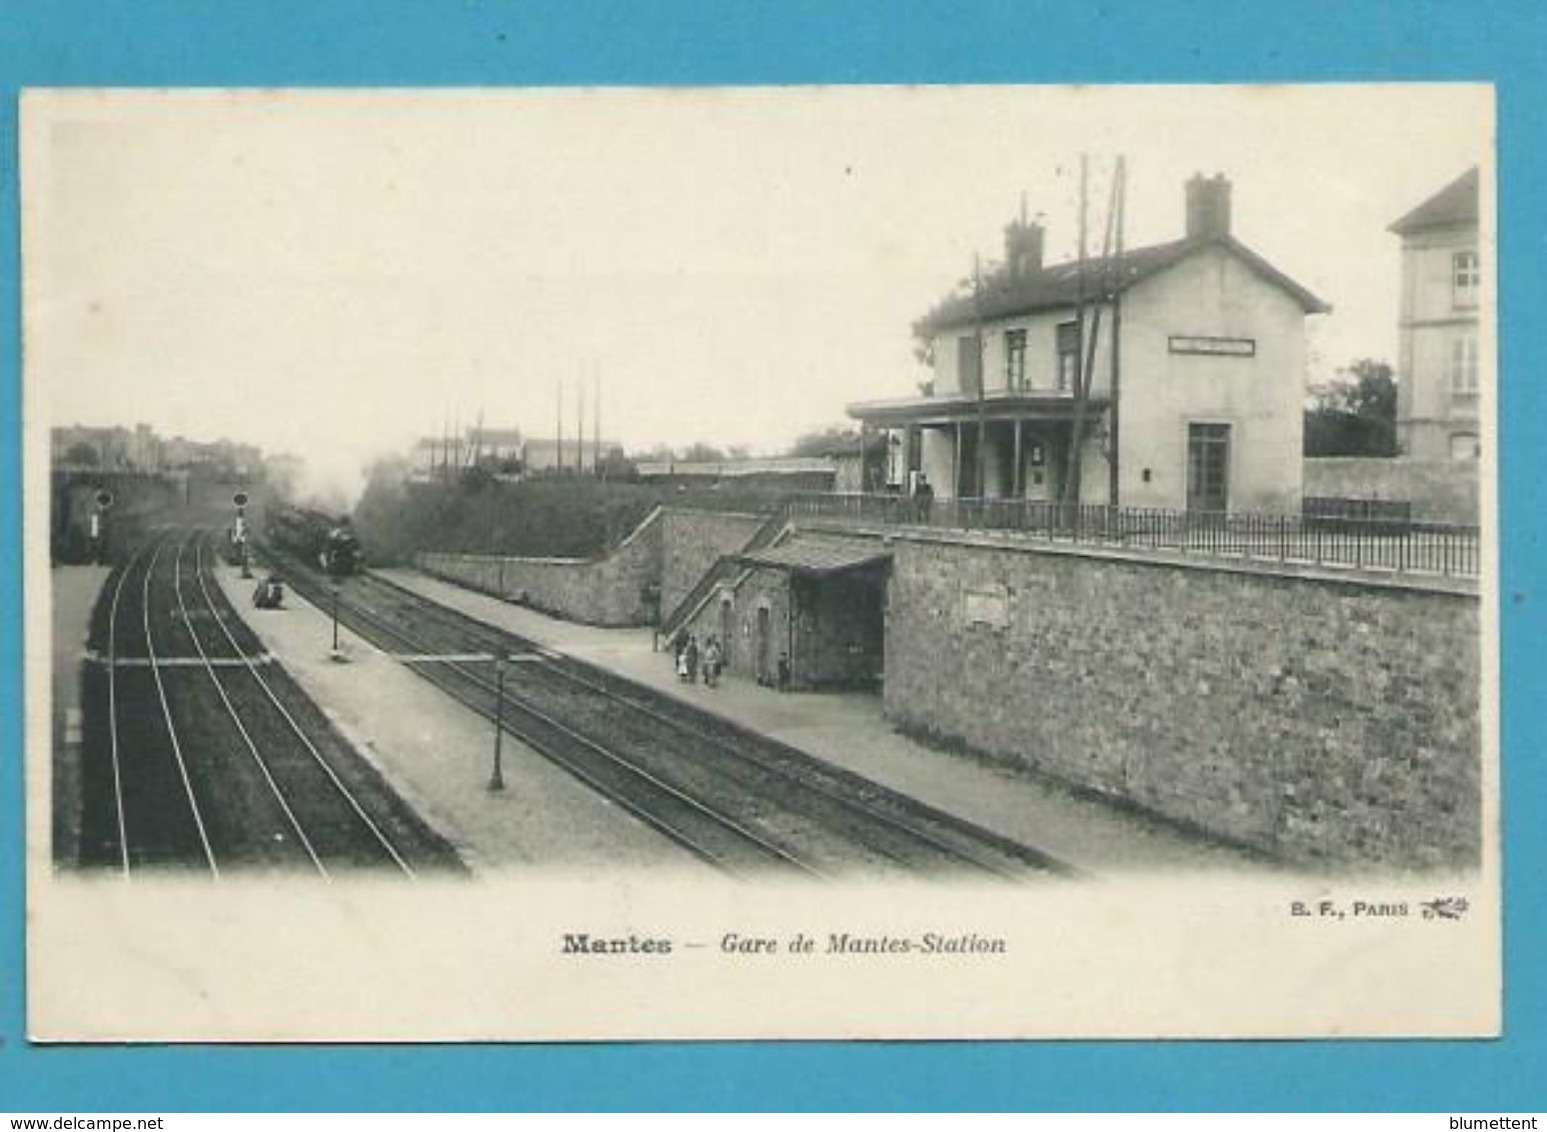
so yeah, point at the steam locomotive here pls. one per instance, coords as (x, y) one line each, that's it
(316, 538)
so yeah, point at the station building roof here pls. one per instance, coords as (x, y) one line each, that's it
(1061, 285)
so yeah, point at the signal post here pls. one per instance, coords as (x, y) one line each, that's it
(98, 525)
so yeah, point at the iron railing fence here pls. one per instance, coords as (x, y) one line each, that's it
(1366, 543)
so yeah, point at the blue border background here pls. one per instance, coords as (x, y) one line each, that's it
(497, 42)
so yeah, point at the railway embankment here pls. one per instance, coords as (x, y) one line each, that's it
(848, 730)
(651, 571)
(540, 518)
(1324, 716)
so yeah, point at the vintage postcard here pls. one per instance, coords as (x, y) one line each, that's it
(856, 563)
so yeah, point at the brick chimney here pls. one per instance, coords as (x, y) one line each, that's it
(1023, 248)
(1208, 206)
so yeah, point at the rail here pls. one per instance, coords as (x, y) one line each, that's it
(1368, 543)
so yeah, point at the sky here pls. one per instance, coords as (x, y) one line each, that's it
(336, 273)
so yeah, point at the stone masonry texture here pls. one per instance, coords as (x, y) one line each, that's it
(1319, 721)
(693, 542)
(1441, 491)
(671, 550)
(602, 591)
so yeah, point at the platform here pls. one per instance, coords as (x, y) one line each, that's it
(74, 591)
(438, 756)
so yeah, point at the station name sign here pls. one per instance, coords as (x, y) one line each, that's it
(1221, 347)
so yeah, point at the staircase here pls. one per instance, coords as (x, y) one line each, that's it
(721, 572)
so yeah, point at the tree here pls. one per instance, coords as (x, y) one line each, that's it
(82, 454)
(616, 466)
(1355, 414)
(838, 440)
(700, 453)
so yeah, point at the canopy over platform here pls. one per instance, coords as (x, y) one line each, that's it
(1047, 405)
(816, 557)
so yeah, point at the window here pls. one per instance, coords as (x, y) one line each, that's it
(1015, 359)
(1068, 354)
(969, 365)
(1462, 369)
(1465, 446)
(1465, 277)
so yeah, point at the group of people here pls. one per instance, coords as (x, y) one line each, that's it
(270, 593)
(693, 659)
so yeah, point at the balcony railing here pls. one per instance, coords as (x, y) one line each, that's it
(1368, 543)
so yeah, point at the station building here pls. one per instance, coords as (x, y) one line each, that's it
(1196, 383)
(807, 612)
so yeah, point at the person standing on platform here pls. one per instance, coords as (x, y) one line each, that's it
(690, 656)
(712, 660)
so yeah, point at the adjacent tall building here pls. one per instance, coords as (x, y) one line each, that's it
(1438, 355)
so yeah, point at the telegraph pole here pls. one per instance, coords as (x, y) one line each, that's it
(1120, 201)
(580, 426)
(1071, 485)
(977, 334)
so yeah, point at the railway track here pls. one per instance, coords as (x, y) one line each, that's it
(214, 759)
(794, 811)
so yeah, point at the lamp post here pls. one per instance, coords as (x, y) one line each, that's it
(497, 779)
(334, 588)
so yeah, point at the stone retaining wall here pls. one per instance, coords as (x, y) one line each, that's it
(692, 542)
(1317, 720)
(672, 549)
(602, 591)
(1441, 491)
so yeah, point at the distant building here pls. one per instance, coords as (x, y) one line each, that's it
(426, 458)
(498, 446)
(86, 446)
(1196, 387)
(791, 473)
(545, 455)
(1438, 355)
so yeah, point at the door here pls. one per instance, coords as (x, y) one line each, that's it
(1208, 467)
(762, 644)
(1037, 471)
(727, 630)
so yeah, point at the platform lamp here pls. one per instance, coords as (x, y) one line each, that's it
(336, 653)
(497, 779)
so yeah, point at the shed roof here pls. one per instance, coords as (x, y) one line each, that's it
(807, 554)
